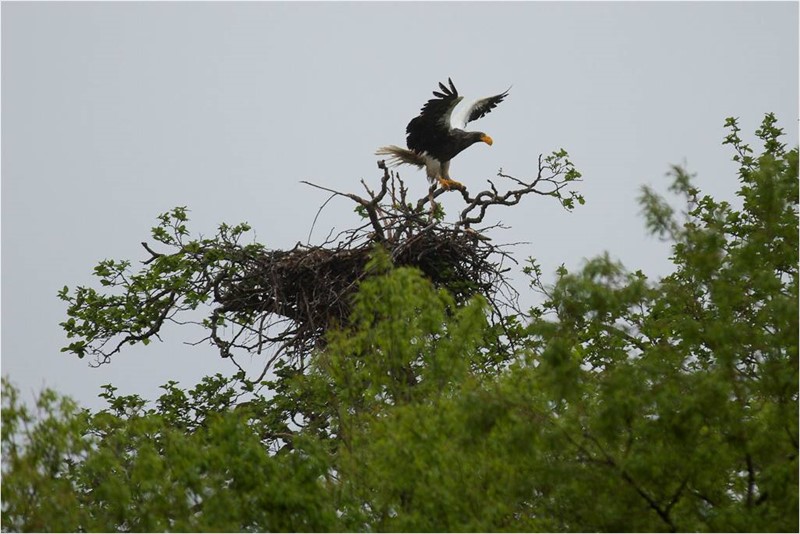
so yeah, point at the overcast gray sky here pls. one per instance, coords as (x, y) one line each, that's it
(113, 113)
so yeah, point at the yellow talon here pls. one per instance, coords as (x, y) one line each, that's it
(448, 184)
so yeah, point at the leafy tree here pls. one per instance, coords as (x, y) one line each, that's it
(191, 464)
(620, 404)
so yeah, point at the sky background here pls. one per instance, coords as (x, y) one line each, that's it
(114, 113)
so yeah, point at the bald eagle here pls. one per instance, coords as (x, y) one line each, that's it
(437, 135)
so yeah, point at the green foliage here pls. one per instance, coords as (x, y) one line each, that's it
(194, 464)
(406, 341)
(638, 406)
(136, 304)
(621, 404)
(558, 163)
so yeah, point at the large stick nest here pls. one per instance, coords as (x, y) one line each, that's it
(312, 286)
(302, 292)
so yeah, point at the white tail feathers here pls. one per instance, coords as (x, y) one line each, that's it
(398, 156)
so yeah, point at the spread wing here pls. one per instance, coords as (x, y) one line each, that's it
(434, 118)
(478, 109)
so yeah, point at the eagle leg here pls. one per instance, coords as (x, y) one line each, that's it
(448, 184)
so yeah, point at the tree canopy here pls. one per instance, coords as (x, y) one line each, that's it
(620, 403)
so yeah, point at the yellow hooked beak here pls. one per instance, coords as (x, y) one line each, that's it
(486, 139)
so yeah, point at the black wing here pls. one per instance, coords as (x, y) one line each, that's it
(433, 122)
(439, 109)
